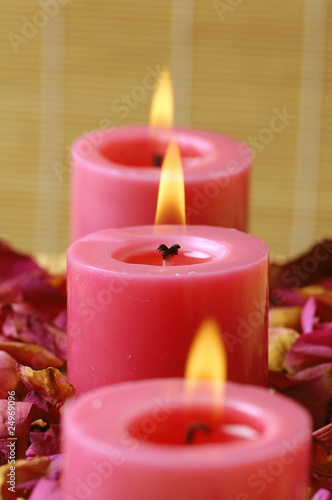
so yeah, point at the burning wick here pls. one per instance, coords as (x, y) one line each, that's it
(168, 253)
(158, 160)
(193, 429)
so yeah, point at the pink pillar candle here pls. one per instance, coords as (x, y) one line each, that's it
(131, 318)
(146, 441)
(115, 184)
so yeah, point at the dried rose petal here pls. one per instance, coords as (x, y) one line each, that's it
(324, 437)
(18, 324)
(324, 306)
(286, 297)
(325, 325)
(279, 380)
(60, 321)
(60, 341)
(312, 388)
(4, 451)
(321, 453)
(38, 333)
(320, 481)
(27, 473)
(14, 263)
(312, 290)
(326, 283)
(322, 458)
(287, 317)
(280, 341)
(49, 487)
(309, 350)
(309, 268)
(44, 443)
(50, 384)
(9, 377)
(35, 290)
(23, 413)
(322, 494)
(31, 355)
(308, 315)
(58, 281)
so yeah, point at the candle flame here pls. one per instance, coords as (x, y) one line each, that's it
(207, 358)
(161, 114)
(171, 200)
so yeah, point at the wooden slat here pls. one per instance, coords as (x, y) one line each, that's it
(243, 67)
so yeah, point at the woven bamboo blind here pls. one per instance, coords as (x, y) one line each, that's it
(236, 66)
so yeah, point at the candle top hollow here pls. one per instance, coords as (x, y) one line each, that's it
(136, 148)
(203, 249)
(123, 415)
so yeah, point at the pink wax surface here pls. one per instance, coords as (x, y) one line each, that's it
(132, 321)
(115, 184)
(110, 452)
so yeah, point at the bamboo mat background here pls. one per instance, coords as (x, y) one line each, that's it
(235, 65)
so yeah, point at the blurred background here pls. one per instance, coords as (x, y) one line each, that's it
(236, 65)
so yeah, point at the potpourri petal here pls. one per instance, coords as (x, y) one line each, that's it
(33, 332)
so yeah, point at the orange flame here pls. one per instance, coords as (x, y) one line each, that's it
(171, 201)
(161, 114)
(207, 358)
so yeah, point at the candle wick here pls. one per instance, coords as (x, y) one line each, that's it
(168, 261)
(193, 429)
(168, 253)
(157, 160)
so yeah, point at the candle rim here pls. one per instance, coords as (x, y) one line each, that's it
(172, 456)
(102, 243)
(193, 172)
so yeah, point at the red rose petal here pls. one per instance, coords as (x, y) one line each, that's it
(286, 297)
(309, 350)
(4, 451)
(308, 315)
(9, 377)
(13, 263)
(45, 443)
(321, 481)
(31, 355)
(326, 283)
(313, 389)
(322, 494)
(324, 437)
(309, 268)
(36, 290)
(25, 414)
(18, 324)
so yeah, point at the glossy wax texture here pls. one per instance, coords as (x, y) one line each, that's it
(115, 184)
(134, 321)
(103, 461)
